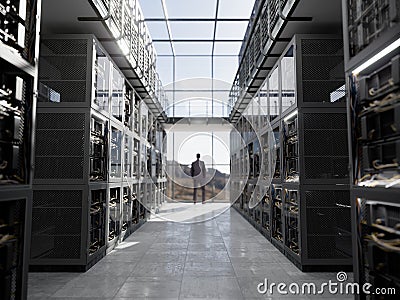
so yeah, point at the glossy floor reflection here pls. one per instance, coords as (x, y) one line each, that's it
(223, 258)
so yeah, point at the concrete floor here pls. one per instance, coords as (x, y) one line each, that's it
(222, 258)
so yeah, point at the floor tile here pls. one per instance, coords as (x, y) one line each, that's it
(210, 288)
(145, 269)
(208, 268)
(156, 287)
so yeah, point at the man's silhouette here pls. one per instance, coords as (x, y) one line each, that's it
(198, 172)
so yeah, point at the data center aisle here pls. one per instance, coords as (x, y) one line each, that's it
(223, 258)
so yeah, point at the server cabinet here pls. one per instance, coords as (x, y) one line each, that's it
(373, 69)
(315, 149)
(304, 96)
(317, 226)
(19, 38)
(68, 226)
(86, 151)
(15, 223)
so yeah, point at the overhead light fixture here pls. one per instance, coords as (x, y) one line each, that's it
(290, 116)
(393, 46)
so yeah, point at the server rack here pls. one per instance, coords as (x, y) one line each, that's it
(15, 223)
(85, 150)
(305, 106)
(372, 106)
(19, 37)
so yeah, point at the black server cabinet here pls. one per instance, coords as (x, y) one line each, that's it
(68, 226)
(84, 152)
(15, 224)
(304, 95)
(19, 38)
(371, 37)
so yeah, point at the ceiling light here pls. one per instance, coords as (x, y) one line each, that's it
(290, 116)
(377, 57)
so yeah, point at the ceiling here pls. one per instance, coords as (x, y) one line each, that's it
(197, 38)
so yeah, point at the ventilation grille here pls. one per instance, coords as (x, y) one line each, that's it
(329, 233)
(319, 47)
(326, 167)
(325, 143)
(60, 146)
(56, 224)
(60, 121)
(59, 168)
(327, 198)
(51, 199)
(62, 68)
(323, 70)
(60, 143)
(63, 47)
(63, 71)
(324, 247)
(325, 121)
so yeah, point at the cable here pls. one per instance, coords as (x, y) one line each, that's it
(388, 245)
(384, 166)
(375, 91)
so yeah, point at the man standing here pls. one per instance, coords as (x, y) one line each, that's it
(198, 172)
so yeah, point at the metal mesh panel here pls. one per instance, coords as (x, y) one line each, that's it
(327, 220)
(62, 67)
(127, 24)
(264, 27)
(141, 54)
(134, 42)
(56, 221)
(325, 121)
(315, 91)
(59, 167)
(327, 198)
(63, 46)
(69, 91)
(57, 149)
(326, 167)
(57, 198)
(250, 55)
(56, 247)
(63, 70)
(318, 47)
(323, 68)
(257, 43)
(60, 143)
(325, 143)
(273, 6)
(116, 13)
(60, 121)
(323, 247)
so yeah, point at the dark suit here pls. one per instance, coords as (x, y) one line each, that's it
(198, 172)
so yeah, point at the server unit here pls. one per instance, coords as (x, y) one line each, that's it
(19, 32)
(371, 39)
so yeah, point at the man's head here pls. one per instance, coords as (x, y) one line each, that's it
(198, 155)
